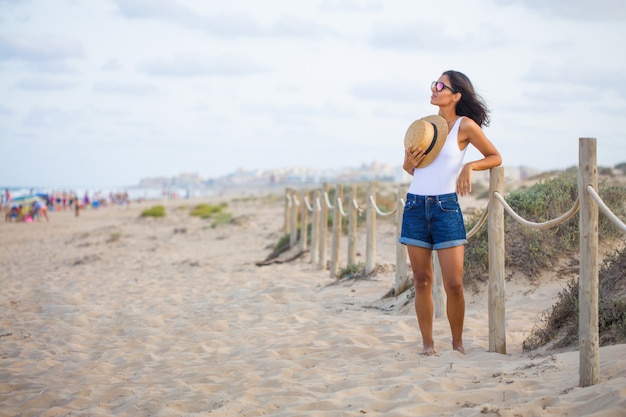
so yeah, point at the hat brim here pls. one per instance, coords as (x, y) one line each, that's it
(441, 128)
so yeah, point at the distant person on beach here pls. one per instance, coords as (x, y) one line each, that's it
(432, 215)
(40, 209)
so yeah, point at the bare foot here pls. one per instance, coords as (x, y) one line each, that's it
(428, 351)
(459, 348)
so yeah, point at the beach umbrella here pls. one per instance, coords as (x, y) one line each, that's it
(26, 200)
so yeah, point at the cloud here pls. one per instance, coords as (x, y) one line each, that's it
(112, 65)
(404, 37)
(5, 111)
(49, 117)
(579, 79)
(128, 89)
(188, 66)
(45, 84)
(228, 26)
(296, 114)
(39, 49)
(383, 92)
(575, 9)
(300, 28)
(351, 6)
(429, 37)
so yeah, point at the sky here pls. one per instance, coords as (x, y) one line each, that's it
(107, 92)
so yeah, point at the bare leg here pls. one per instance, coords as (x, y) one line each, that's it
(421, 264)
(451, 261)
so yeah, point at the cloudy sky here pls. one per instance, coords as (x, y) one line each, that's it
(106, 92)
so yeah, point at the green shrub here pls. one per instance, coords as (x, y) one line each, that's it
(155, 211)
(206, 211)
(532, 250)
(559, 325)
(283, 244)
(352, 271)
(221, 218)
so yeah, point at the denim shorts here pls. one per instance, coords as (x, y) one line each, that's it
(433, 222)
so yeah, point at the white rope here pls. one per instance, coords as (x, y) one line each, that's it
(341, 210)
(295, 200)
(544, 225)
(605, 210)
(330, 206)
(289, 201)
(479, 224)
(355, 204)
(308, 204)
(378, 210)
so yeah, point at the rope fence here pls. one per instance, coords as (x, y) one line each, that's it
(298, 207)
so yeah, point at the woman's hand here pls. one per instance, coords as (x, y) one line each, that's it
(464, 181)
(412, 158)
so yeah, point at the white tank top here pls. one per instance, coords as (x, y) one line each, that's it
(439, 177)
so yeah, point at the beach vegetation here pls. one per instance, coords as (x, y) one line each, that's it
(114, 237)
(530, 251)
(221, 218)
(154, 211)
(558, 326)
(207, 211)
(352, 271)
(215, 213)
(283, 245)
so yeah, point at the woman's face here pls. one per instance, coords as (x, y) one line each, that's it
(442, 92)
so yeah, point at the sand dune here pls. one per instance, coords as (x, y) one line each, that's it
(109, 314)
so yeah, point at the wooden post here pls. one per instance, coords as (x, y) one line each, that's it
(588, 332)
(439, 293)
(370, 219)
(401, 282)
(293, 230)
(495, 230)
(352, 220)
(288, 203)
(315, 227)
(323, 227)
(334, 250)
(304, 222)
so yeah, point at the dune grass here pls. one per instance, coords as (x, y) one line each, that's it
(530, 251)
(155, 211)
(213, 212)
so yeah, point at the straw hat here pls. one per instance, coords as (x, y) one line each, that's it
(428, 133)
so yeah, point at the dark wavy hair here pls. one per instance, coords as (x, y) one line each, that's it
(471, 104)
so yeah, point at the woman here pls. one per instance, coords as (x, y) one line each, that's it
(432, 216)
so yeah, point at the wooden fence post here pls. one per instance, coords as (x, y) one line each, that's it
(288, 204)
(315, 227)
(352, 229)
(370, 219)
(495, 230)
(334, 250)
(588, 331)
(293, 229)
(401, 282)
(323, 227)
(304, 222)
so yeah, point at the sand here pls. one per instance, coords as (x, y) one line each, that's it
(110, 314)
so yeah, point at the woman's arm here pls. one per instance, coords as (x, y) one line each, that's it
(412, 158)
(471, 133)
